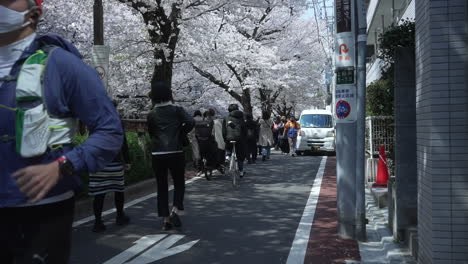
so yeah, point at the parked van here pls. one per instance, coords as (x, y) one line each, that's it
(317, 131)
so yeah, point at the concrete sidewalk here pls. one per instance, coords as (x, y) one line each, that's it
(380, 247)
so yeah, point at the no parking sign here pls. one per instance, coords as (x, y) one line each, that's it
(345, 103)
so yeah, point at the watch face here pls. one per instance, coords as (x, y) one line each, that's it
(66, 168)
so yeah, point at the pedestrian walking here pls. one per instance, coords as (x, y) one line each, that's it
(291, 130)
(45, 88)
(168, 125)
(196, 158)
(252, 138)
(234, 130)
(276, 122)
(110, 179)
(282, 140)
(266, 135)
(220, 143)
(206, 142)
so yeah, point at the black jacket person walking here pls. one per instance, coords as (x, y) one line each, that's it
(168, 126)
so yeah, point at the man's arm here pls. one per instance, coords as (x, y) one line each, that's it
(87, 100)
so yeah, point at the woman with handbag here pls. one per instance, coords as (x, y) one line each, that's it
(168, 126)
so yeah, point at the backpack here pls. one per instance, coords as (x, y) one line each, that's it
(36, 129)
(251, 135)
(204, 129)
(292, 132)
(233, 129)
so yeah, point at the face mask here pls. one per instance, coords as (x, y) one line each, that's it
(11, 20)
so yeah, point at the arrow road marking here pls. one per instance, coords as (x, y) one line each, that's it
(140, 245)
(155, 252)
(163, 250)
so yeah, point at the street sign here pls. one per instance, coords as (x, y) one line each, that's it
(345, 75)
(151, 248)
(100, 57)
(344, 51)
(343, 16)
(345, 104)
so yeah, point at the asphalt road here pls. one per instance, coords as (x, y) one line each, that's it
(255, 223)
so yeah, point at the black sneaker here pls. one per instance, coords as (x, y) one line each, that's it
(99, 227)
(167, 226)
(175, 220)
(122, 220)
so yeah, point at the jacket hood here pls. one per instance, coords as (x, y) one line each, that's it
(237, 114)
(55, 40)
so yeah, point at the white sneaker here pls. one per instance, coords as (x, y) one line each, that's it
(228, 158)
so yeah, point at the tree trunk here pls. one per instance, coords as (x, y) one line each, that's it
(246, 101)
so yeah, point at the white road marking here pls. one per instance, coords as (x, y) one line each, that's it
(301, 240)
(140, 245)
(153, 252)
(129, 204)
(163, 250)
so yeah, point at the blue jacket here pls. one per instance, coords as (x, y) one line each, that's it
(72, 89)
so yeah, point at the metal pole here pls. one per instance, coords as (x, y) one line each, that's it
(361, 121)
(98, 22)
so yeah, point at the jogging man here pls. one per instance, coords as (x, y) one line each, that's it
(44, 89)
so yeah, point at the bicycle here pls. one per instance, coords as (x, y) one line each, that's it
(233, 167)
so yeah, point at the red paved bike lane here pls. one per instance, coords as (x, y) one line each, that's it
(325, 246)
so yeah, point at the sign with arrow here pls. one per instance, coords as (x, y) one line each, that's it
(151, 248)
(345, 53)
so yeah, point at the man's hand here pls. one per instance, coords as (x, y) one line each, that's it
(36, 181)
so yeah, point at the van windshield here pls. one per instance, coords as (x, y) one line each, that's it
(319, 121)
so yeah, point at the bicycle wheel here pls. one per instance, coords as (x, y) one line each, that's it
(234, 170)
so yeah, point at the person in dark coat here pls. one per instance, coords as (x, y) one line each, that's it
(168, 126)
(252, 138)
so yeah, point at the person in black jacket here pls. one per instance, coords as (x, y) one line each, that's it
(234, 130)
(252, 138)
(168, 126)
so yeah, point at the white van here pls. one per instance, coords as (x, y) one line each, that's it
(317, 131)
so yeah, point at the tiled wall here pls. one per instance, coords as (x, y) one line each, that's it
(442, 138)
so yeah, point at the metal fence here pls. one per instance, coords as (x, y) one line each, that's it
(380, 130)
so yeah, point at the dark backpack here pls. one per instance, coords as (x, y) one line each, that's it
(204, 129)
(251, 135)
(233, 129)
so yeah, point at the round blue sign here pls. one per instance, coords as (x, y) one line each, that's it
(343, 109)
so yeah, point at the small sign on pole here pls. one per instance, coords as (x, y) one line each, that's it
(100, 58)
(345, 104)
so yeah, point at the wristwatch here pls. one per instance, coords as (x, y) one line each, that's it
(65, 167)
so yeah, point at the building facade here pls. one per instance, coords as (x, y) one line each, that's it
(442, 130)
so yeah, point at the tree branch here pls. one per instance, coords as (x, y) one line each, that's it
(219, 83)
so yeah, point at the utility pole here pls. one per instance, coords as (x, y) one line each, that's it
(100, 51)
(98, 22)
(361, 43)
(350, 69)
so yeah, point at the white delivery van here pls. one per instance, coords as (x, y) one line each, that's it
(317, 131)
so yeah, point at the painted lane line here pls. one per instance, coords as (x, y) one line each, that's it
(301, 240)
(129, 204)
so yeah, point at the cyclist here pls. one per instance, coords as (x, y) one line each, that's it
(206, 142)
(234, 129)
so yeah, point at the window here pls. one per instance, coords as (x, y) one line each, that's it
(317, 121)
